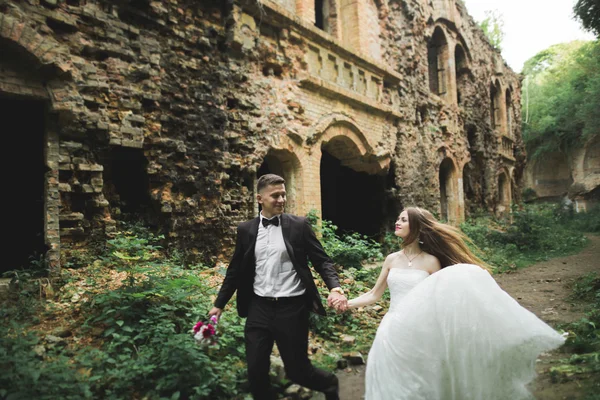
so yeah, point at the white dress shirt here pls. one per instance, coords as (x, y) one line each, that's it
(275, 275)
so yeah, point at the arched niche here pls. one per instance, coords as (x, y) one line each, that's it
(449, 205)
(285, 164)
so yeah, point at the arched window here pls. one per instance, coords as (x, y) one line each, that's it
(437, 57)
(460, 63)
(509, 112)
(326, 16)
(496, 117)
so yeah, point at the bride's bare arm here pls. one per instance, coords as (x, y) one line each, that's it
(374, 294)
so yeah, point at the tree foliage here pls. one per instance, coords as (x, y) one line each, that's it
(492, 25)
(561, 97)
(588, 13)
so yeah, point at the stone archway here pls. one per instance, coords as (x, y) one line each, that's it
(34, 78)
(449, 204)
(591, 161)
(504, 198)
(285, 164)
(550, 176)
(354, 185)
(24, 134)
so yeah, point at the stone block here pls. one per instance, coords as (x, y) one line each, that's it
(71, 217)
(354, 358)
(78, 231)
(64, 187)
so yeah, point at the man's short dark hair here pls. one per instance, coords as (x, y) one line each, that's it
(268, 179)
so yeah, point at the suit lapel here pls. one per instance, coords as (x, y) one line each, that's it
(285, 230)
(252, 234)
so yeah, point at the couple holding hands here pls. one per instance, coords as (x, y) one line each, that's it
(450, 333)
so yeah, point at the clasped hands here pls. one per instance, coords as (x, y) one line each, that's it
(337, 301)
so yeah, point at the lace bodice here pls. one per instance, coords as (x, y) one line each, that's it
(401, 281)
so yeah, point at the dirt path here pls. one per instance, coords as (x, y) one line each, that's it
(544, 289)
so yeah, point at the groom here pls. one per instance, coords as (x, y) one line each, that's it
(276, 292)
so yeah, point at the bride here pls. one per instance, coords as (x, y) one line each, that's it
(451, 332)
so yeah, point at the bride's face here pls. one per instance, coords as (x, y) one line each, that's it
(402, 227)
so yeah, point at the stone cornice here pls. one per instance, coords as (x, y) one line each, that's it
(279, 16)
(318, 84)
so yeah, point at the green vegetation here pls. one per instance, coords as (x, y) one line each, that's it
(588, 13)
(127, 316)
(118, 326)
(349, 250)
(536, 233)
(583, 340)
(492, 26)
(561, 96)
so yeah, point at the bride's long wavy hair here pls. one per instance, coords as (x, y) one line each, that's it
(445, 242)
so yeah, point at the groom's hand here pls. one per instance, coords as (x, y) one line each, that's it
(337, 301)
(216, 311)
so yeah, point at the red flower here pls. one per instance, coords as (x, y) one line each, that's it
(198, 326)
(209, 331)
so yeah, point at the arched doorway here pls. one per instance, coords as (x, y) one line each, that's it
(448, 191)
(354, 186)
(127, 185)
(23, 131)
(354, 201)
(504, 193)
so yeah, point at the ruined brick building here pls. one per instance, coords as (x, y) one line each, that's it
(170, 109)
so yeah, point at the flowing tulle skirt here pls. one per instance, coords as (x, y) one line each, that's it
(457, 335)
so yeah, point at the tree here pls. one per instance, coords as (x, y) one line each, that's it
(561, 97)
(588, 13)
(492, 25)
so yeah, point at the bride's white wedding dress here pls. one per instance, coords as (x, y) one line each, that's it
(454, 335)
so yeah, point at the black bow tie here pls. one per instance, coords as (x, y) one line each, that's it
(272, 221)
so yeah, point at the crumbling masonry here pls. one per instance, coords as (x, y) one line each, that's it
(169, 110)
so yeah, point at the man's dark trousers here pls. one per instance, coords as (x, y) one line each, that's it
(283, 321)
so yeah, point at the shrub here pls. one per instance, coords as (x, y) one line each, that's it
(348, 250)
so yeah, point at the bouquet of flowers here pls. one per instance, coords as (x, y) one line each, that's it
(205, 331)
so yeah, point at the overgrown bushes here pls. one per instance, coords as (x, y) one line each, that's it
(584, 335)
(129, 311)
(141, 345)
(536, 233)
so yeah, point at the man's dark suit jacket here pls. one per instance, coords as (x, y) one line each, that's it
(302, 245)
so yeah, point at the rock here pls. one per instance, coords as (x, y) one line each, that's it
(40, 350)
(348, 339)
(342, 363)
(297, 392)
(53, 339)
(277, 372)
(62, 332)
(354, 358)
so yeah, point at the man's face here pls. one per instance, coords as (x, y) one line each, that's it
(272, 199)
